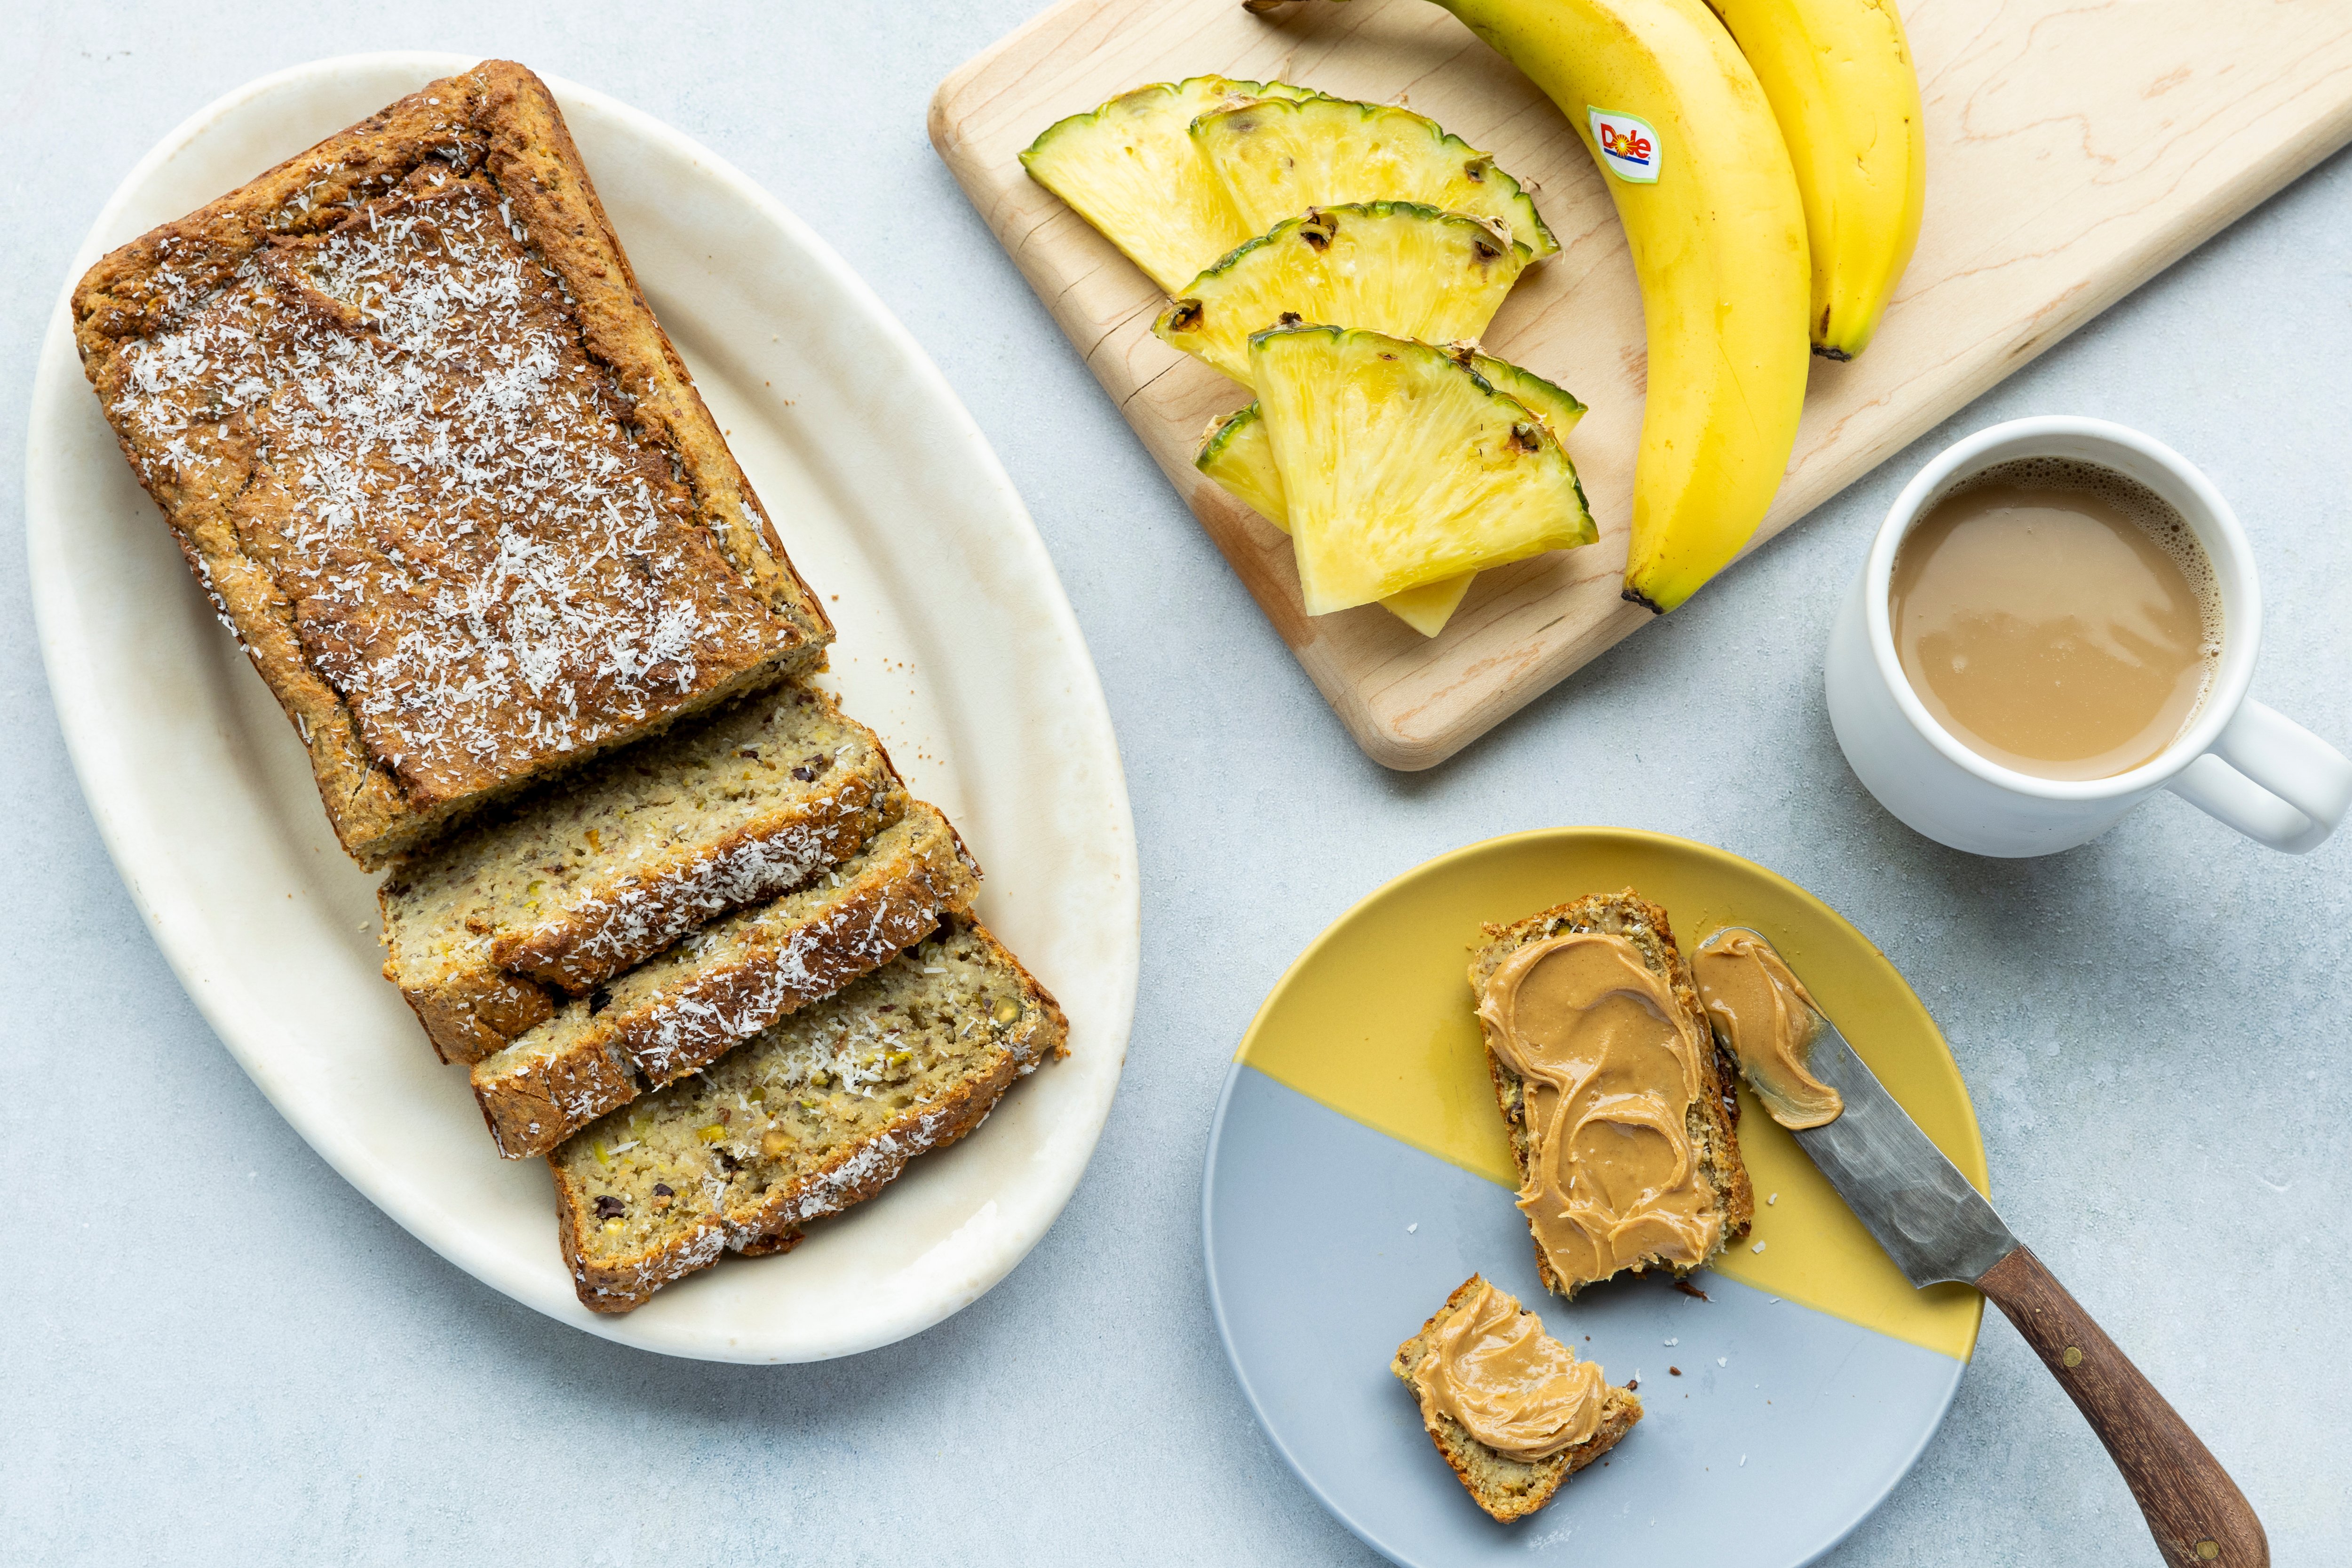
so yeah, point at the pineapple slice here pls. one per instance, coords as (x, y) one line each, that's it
(1403, 465)
(1237, 455)
(1129, 169)
(1427, 609)
(1410, 272)
(1277, 157)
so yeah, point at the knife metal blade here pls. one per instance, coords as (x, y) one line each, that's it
(1916, 1202)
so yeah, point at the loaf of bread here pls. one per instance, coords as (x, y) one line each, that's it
(441, 472)
(816, 1113)
(685, 1009)
(1505, 1487)
(1711, 1118)
(586, 878)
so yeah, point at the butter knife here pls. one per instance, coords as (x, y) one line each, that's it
(1938, 1227)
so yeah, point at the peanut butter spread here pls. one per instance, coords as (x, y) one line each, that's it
(1515, 1389)
(1610, 1070)
(1763, 1010)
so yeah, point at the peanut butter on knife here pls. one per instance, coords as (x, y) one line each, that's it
(1764, 1014)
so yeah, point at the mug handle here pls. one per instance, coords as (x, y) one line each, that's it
(2271, 779)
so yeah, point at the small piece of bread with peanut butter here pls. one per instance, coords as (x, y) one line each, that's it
(1510, 1408)
(1600, 979)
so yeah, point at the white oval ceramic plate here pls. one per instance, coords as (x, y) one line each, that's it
(956, 644)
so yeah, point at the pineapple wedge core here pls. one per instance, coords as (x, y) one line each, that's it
(1406, 271)
(1277, 157)
(1131, 169)
(1237, 455)
(1402, 467)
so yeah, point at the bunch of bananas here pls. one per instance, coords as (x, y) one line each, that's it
(1767, 160)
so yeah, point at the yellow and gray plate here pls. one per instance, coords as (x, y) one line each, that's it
(1358, 1172)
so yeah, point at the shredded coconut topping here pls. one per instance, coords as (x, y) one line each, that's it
(812, 960)
(477, 551)
(842, 1046)
(642, 915)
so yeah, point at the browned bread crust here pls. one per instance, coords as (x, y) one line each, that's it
(1712, 1120)
(473, 1009)
(386, 609)
(1507, 1488)
(684, 1010)
(763, 1200)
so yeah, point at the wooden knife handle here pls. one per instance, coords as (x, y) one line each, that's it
(2197, 1515)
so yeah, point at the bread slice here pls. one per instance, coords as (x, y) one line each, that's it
(683, 1010)
(816, 1113)
(602, 870)
(1507, 1488)
(1711, 1120)
(422, 443)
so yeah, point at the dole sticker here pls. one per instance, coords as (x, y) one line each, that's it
(1629, 147)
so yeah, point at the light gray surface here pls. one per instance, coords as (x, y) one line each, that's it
(220, 1353)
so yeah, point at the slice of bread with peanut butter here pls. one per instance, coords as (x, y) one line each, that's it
(1601, 975)
(1557, 1413)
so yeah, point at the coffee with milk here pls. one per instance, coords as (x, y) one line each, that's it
(2057, 618)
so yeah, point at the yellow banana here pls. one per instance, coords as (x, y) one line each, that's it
(1704, 187)
(1839, 75)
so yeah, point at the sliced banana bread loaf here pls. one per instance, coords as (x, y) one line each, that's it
(816, 1113)
(599, 874)
(665, 1018)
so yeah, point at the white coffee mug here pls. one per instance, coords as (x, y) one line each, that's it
(2238, 761)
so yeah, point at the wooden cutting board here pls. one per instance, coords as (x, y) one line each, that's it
(2073, 149)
